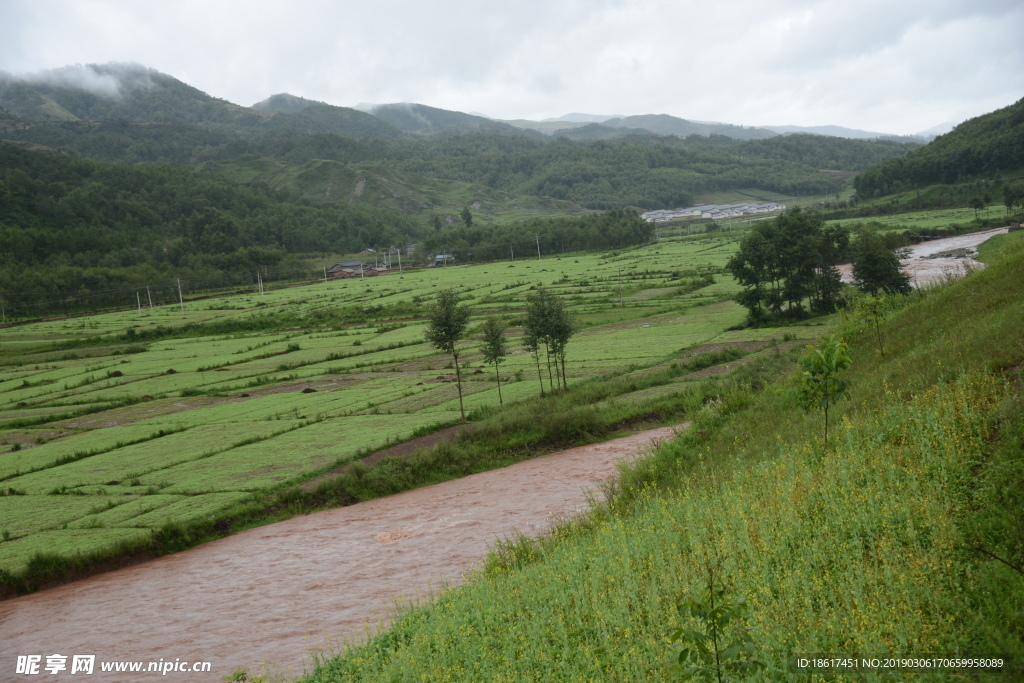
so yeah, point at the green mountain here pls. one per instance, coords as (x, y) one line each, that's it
(376, 185)
(657, 124)
(424, 120)
(289, 111)
(114, 91)
(547, 127)
(987, 145)
(663, 124)
(284, 103)
(598, 131)
(421, 160)
(129, 92)
(75, 224)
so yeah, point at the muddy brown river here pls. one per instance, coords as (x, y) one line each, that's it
(932, 261)
(264, 599)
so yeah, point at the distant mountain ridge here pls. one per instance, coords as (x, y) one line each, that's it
(665, 124)
(852, 133)
(419, 118)
(132, 92)
(584, 118)
(415, 158)
(655, 124)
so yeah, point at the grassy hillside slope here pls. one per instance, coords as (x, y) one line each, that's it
(882, 545)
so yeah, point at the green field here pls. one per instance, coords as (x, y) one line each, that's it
(900, 537)
(936, 218)
(116, 424)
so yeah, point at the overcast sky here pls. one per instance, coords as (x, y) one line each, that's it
(892, 66)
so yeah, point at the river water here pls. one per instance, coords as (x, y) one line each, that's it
(264, 599)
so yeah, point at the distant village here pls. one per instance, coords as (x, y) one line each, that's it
(715, 212)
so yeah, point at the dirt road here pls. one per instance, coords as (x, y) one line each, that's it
(262, 599)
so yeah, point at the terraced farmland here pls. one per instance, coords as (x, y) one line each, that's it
(115, 425)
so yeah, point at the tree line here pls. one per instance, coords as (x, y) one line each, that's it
(473, 243)
(787, 266)
(548, 325)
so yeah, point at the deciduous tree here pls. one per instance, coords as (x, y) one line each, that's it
(446, 325)
(876, 268)
(786, 261)
(494, 347)
(548, 323)
(820, 383)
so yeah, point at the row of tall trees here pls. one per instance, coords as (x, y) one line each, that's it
(474, 243)
(548, 325)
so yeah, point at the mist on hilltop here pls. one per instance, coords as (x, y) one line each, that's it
(107, 80)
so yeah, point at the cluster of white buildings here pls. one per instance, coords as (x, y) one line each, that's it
(715, 212)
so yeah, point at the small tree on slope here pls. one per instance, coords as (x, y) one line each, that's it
(820, 384)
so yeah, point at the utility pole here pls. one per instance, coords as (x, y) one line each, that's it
(537, 237)
(399, 261)
(181, 299)
(150, 296)
(138, 300)
(512, 251)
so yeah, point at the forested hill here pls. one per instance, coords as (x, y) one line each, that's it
(664, 124)
(68, 225)
(129, 92)
(640, 170)
(421, 119)
(993, 143)
(130, 114)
